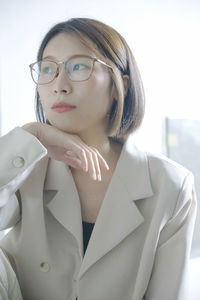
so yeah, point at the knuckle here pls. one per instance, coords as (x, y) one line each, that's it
(82, 152)
(94, 151)
(93, 148)
(89, 153)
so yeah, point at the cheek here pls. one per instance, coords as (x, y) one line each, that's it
(43, 93)
(103, 81)
(100, 89)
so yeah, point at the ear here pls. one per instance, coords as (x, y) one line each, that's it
(126, 83)
(125, 79)
(113, 91)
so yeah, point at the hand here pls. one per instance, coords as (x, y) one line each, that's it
(68, 148)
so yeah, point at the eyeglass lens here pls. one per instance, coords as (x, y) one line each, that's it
(77, 69)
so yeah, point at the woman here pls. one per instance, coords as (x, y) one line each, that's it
(75, 177)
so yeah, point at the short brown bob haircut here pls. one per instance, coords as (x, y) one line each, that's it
(127, 110)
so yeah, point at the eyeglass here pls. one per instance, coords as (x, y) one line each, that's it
(77, 68)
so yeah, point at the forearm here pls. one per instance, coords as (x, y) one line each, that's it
(20, 151)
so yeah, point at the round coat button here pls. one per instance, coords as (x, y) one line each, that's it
(45, 267)
(18, 162)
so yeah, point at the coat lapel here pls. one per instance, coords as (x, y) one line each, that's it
(118, 215)
(62, 199)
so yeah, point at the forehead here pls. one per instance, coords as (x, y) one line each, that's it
(64, 45)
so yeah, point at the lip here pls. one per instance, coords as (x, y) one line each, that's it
(62, 107)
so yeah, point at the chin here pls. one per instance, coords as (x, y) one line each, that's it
(64, 127)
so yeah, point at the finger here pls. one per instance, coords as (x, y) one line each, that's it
(71, 153)
(73, 162)
(91, 165)
(79, 153)
(96, 162)
(91, 161)
(102, 161)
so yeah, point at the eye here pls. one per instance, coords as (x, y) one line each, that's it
(46, 70)
(79, 67)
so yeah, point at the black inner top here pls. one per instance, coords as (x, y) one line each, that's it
(87, 231)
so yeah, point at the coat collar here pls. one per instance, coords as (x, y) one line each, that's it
(118, 215)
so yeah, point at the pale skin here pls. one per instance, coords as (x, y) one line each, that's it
(82, 131)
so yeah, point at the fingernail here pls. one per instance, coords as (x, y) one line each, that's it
(70, 153)
(85, 168)
(94, 176)
(99, 177)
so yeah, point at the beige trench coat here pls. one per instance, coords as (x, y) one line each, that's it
(140, 243)
(9, 286)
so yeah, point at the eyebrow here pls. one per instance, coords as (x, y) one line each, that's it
(53, 57)
(49, 56)
(80, 54)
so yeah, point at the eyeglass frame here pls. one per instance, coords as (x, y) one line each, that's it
(64, 62)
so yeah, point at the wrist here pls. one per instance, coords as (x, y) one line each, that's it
(32, 128)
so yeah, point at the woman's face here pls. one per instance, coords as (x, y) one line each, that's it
(91, 98)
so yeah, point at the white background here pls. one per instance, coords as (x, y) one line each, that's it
(164, 37)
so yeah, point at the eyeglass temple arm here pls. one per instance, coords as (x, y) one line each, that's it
(102, 62)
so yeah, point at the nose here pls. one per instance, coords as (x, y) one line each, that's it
(62, 83)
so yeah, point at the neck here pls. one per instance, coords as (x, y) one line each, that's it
(99, 140)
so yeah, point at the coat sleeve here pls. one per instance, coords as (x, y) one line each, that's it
(169, 278)
(19, 153)
(9, 286)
